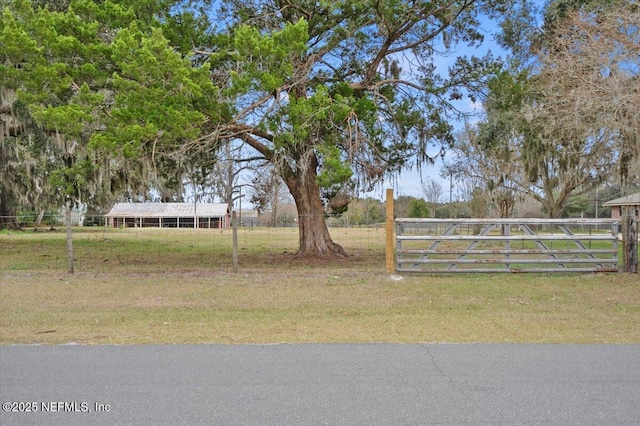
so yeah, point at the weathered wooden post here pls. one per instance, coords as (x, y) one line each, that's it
(234, 230)
(389, 233)
(67, 220)
(630, 240)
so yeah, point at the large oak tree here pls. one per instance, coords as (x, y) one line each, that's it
(334, 91)
(326, 91)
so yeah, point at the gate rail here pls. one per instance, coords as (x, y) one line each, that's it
(506, 245)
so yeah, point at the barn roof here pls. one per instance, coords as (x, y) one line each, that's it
(168, 210)
(629, 200)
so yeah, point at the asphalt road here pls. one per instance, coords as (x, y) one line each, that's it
(335, 384)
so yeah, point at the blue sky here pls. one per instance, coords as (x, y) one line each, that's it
(409, 181)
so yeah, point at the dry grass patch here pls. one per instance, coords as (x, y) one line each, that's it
(175, 286)
(316, 304)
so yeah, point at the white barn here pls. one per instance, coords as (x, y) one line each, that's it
(169, 215)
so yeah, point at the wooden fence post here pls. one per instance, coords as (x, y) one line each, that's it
(234, 240)
(67, 222)
(390, 264)
(630, 241)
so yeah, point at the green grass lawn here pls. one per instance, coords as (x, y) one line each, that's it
(163, 287)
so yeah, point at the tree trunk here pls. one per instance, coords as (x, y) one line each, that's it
(315, 240)
(39, 219)
(555, 211)
(8, 212)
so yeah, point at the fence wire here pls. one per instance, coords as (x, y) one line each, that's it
(100, 248)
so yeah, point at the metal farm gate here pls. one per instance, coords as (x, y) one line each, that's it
(506, 245)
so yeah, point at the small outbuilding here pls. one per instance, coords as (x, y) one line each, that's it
(630, 203)
(248, 217)
(169, 215)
